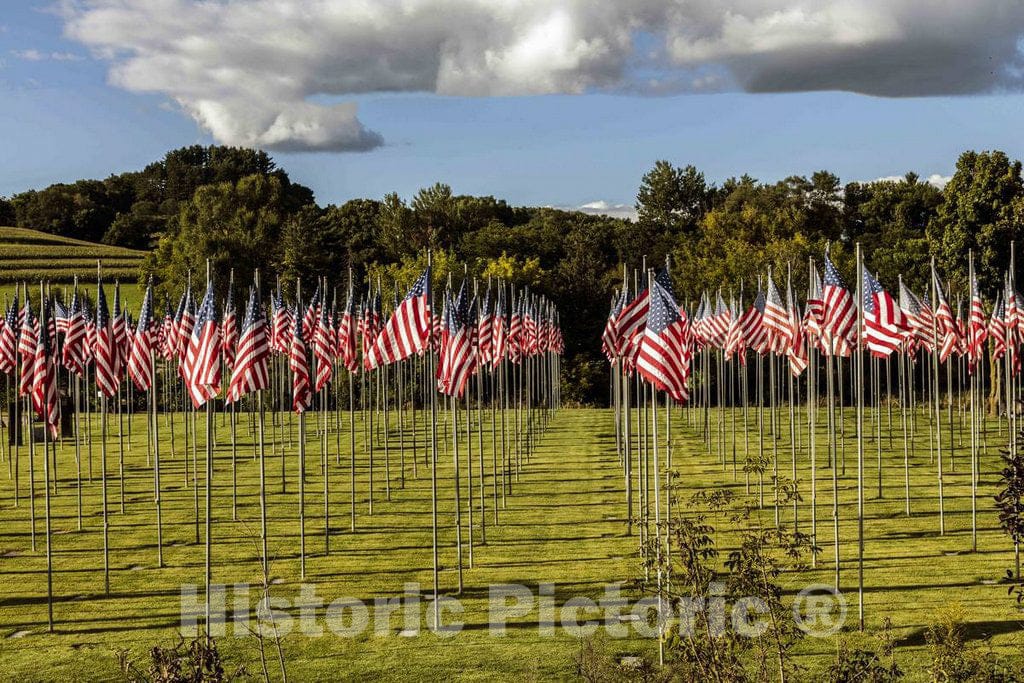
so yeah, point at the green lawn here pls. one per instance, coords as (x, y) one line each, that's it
(563, 523)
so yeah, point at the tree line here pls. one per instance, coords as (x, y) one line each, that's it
(237, 208)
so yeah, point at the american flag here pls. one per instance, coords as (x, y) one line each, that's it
(1011, 316)
(662, 359)
(370, 326)
(610, 336)
(631, 323)
(120, 328)
(485, 331)
(997, 329)
(44, 379)
(347, 335)
(945, 325)
(281, 324)
(499, 333)
(840, 313)
(814, 310)
(27, 339)
(140, 368)
(202, 360)
(60, 318)
(515, 331)
(165, 336)
(459, 360)
(104, 353)
(529, 345)
(250, 373)
(735, 344)
(717, 325)
(229, 329)
(73, 354)
(407, 331)
(311, 315)
(9, 339)
(323, 350)
(184, 331)
(171, 333)
(751, 324)
(884, 324)
(298, 363)
(918, 317)
(776, 320)
(797, 350)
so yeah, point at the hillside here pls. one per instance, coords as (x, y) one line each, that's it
(30, 256)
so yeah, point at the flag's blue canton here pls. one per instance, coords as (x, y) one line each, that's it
(832, 275)
(206, 312)
(102, 312)
(759, 302)
(871, 287)
(146, 314)
(419, 288)
(662, 312)
(253, 312)
(662, 278)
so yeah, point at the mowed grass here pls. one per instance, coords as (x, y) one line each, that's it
(30, 256)
(563, 523)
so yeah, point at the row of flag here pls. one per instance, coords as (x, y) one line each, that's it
(209, 348)
(651, 334)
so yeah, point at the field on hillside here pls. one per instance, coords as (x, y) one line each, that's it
(30, 256)
(563, 523)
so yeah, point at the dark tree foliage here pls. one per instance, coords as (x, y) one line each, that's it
(134, 209)
(7, 215)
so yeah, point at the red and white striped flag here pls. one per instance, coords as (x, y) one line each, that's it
(776, 320)
(202, 360)
(884, 323)
(229, 330)
(140, 367)
(408, 329)
(250, 373)
(44, 378)
(9, 339)
(103, 351)
(839, 312)
(458, 356)
(663, 359)
(298, 363)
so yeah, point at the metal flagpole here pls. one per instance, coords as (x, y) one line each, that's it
(859, 358)
(431, 388)
(155, 427)
(302, 457)
(50, 367)
(935, 368)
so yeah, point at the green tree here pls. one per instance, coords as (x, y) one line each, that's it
(982, 211)
(233, 225)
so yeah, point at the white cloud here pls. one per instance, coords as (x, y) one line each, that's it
(265, 72)
(603, 208)
(935, 179)
(33, 55)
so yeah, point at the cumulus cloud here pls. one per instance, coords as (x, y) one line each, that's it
(602, 208)
(33, 55)
(935, 179)
(271, 72)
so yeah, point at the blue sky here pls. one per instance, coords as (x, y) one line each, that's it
(65, 117)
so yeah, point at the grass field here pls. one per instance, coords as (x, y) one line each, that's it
(30, 256)
(563, 523)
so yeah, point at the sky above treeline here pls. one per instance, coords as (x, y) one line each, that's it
(542, 102)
